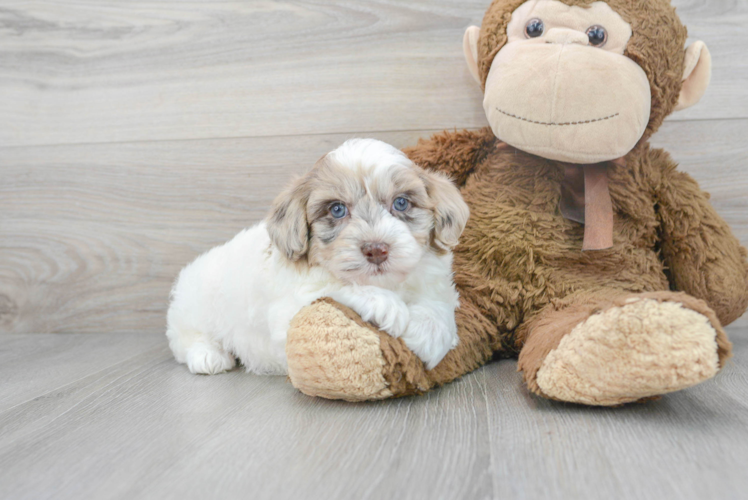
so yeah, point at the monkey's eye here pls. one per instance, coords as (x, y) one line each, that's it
(597, 35)
(338, 210)
(534, 28)
(401, 204)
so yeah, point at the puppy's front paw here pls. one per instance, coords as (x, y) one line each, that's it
(431, 334)
(378, 306)
(392, 316)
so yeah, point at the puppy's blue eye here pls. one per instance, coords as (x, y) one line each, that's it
(338, 210)
(401, 204)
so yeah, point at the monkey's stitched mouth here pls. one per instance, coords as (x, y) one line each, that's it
(581, 122)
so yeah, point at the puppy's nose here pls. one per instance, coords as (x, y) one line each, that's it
(376, 253)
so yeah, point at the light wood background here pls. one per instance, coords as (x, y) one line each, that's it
(136, 134)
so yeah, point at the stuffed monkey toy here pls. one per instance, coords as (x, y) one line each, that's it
(587, 253)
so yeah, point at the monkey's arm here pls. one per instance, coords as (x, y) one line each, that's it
(703, 256)
(453, 153)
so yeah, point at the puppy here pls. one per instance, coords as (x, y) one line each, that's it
(365, 227)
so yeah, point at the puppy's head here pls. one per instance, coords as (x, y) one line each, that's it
(367, 214)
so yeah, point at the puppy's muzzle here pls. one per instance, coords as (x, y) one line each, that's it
(376, 253)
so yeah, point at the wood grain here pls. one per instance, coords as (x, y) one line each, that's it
(146, 428)
(34, 365)
(92, 71)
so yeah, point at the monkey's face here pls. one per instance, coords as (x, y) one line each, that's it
(561, 87)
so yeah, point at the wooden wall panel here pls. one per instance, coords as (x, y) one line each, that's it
(113, 71)
(134, 135)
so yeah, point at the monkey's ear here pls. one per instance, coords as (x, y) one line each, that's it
(696, 75)
(287, 223)
(450, 210)
(470, 49)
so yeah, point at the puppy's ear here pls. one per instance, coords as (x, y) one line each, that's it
(287, 223)
(451, 213)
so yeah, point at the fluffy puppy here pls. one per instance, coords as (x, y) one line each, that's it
(365, 226)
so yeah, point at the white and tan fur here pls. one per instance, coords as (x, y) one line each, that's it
(237, 300)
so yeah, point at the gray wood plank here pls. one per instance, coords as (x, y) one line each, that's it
(716, 23)
(122, 71)
(104, 71)
(32, 364)
(146, 428)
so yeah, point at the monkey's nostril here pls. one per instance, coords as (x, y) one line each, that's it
(376, 253)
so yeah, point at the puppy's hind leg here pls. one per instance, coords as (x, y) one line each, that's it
(209, 359)
(199, 352)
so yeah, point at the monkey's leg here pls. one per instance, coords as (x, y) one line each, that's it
(608, 351)
(333, 354)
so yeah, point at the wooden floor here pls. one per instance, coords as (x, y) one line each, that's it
(113, 416)
(134, 135)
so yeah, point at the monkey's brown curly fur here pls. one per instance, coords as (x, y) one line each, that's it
(519, 258)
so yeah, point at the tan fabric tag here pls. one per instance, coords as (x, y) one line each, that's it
(585, 198)
(598, 209)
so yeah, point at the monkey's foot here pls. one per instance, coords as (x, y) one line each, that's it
(640, 349)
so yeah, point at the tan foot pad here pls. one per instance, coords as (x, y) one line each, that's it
(627, 353)
(334, 355)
